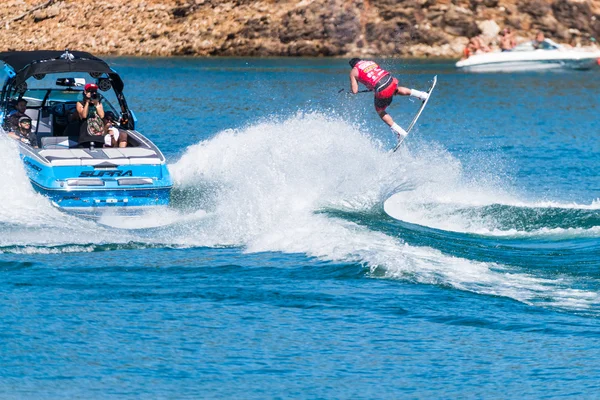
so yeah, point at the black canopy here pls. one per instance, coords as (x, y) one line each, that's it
(29, 63)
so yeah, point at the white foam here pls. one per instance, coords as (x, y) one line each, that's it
(270, 178)
(28, 219)
(49, 250)
(154, 218)
(262, 187)
(448, 198)
(18, 201)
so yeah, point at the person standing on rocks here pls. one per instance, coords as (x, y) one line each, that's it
(385, 87)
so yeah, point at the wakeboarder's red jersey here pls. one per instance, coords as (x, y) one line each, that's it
(369, 73)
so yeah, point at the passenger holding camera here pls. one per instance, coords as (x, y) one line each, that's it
(90, 113)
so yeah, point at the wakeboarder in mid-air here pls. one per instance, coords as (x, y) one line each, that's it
(385, 87)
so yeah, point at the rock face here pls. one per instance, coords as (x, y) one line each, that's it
(403, 28)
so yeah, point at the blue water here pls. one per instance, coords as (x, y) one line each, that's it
(277, 273)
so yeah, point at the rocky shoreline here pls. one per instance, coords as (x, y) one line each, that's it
(384, 28)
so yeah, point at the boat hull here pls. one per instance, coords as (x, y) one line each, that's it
(91, 190)
(100, 199)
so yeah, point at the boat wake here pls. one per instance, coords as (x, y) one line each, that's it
(455, 207)
(263, 188)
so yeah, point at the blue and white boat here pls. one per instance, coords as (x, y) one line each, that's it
(84, 181)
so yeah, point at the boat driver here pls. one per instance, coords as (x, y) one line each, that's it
(23, 132)
(540, 41)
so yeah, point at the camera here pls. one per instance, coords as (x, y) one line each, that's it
(94, 96)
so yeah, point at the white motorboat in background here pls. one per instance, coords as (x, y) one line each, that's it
(525, 57)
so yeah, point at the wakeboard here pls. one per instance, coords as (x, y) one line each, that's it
(418, 114)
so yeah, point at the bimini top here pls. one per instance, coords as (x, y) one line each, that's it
(26, 64)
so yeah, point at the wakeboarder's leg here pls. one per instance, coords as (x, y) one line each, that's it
(387, 118)
(403, 91)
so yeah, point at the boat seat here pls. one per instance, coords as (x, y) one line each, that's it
(134, 155)
(135, 152)
(65, 156)
(58, 142)
(44, 127)
(33, 113)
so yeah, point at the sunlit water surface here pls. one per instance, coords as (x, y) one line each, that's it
(277, 272)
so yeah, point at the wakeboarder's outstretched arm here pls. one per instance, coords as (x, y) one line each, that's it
(353, 81)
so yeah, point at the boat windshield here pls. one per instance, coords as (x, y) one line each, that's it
(48, 91)
(547, 44)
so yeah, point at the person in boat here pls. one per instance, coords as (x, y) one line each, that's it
(469, 50)
(384, 86)
(507, 40)
(475, 46)
(90, 112)
(483, 44)
(540, 42)
(113, 137)
(23, 132)
(14, 116)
